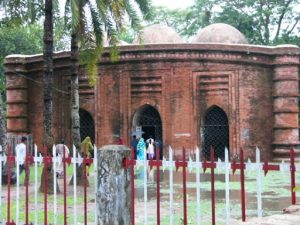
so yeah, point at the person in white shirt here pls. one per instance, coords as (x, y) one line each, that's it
(150, 148)
(21, 154)
(60, 152)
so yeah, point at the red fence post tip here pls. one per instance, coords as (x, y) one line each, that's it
(212, 175)
(132, 186)
(242, 184)
(184, 164)
(293, 180)
(158, 186)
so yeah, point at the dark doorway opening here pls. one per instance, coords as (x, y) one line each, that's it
(215, 133)
(87, 127)
(149, 131)
(148, 119)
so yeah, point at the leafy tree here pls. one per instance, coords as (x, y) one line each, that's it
(185, 21)
(18, 40)
(22, 11)
(178, 19)
(263, 22)
(15, 40)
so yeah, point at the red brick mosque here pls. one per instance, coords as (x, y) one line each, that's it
(215, 90)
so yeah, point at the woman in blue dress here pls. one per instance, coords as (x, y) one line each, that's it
(141, 148)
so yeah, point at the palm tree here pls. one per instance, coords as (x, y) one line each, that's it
(47, 90)
(106, 18)
(3, 138)
(48, 68)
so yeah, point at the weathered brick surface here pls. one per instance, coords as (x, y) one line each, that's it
(257, 87)
(17, 125)
(286, 104)
(17, 110)
(286, 132)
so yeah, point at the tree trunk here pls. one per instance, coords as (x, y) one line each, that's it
(79, 177)
(48, 68)
(3, 137)
(48, 87)
(75, 91)
(50, 181)
(75, 104)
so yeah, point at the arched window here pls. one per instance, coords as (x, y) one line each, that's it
(215, 132)
(87, 127)
(148, 119)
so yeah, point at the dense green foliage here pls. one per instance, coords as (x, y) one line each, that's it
(21, 12)
(262, 22)
(18, 40)
(21, 32)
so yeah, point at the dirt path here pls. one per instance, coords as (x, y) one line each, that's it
(291, 216)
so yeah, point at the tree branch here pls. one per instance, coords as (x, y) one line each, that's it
(281, 18)
(293, 27)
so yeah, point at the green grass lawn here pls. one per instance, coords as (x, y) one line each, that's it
(50, 200)
(275, 196)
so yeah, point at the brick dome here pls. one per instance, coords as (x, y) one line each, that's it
(158, 34)
(220, 33)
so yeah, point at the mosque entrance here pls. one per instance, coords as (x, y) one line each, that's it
(147, 119)
(87, 127)
(215, 132)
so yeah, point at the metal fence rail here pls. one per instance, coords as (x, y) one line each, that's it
(225, 167)
(47, 162)
(185, 165)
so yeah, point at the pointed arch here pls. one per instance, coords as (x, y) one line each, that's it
(215, 132)
(87, 126)
(148, 119)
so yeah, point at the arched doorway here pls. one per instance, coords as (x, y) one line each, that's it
(215, 132)
(87, 127)
(147, 118)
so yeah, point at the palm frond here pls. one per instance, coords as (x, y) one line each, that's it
(75, 12)
(97, 25)
(135, 20)
(102, 9)
(89, 58)
(145, 7)
(117, 12)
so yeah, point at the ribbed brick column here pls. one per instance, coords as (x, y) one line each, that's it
(285, 106)
(17, 99)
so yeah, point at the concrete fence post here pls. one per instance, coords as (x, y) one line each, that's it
(113, 188)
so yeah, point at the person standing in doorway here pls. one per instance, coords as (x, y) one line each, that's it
(21, 154)
(141, 148)
(150, 148)
(133, 144)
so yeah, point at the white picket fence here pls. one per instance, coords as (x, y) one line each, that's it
(38, 162)
(197, 165)
(192, 166)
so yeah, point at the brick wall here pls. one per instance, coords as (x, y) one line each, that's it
(181, 82)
